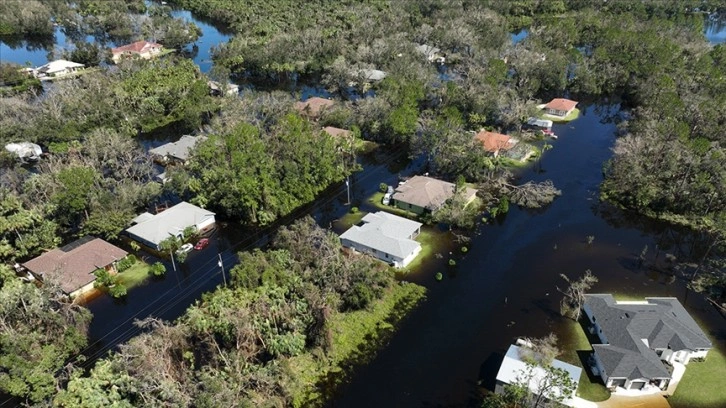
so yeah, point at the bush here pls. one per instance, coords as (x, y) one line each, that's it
(354, 210)
(439, 276)
(464, 249)
(358, 298)
(452, 262)
(126, 263)
(118, 290)
(383, 187)
(157, 269)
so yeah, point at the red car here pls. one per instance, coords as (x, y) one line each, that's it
(201, 244)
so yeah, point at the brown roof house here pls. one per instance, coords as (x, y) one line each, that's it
(313, 107)
(337, 132)
(421, 194)
(72, 266)
(140, 49)
(495, 142)
(560, 107)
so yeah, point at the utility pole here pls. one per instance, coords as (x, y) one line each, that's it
(347, 185)
(171, 255)
(221, 265)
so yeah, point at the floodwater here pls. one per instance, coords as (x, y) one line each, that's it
(715, 29)
(506, 285)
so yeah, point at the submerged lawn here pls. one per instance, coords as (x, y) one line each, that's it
(355, 338)
(703, 385)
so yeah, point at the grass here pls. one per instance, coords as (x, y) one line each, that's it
(355, 338)
(703, 383)
(556, 119)
(574, 347)
(428, 238)
(375, 200)
(135, 275)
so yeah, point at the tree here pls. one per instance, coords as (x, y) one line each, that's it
(40, 332)
(23, 232)
(574, 296)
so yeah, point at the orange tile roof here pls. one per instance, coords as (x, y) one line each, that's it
(138, 47)
(561, 104)
(494, 142)
(72, 266)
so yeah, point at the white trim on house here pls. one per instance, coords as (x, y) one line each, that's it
(385, 236)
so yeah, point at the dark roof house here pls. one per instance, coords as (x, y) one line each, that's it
(637, 337)
(72, 266)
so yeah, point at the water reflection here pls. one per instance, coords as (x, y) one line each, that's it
(715, 29)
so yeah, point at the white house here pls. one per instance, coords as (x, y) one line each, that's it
(151, 230)
(515, 370)
(637, 338)
(385, 236)
(57, 68)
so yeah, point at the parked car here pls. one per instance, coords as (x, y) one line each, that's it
(386, 199)
(201, 244)
(185, 248)
(390, 190)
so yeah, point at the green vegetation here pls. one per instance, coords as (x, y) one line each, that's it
(574, 346)
(355, 339)
(40, 332)
(439, 276)
(290, 320)
(702, 384)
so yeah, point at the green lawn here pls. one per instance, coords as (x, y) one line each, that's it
(356, 336)
(429, 239)
(376, 201)
(704, 383)
(589, 388)
(135, 275)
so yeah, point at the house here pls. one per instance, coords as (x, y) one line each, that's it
(431, 53)
(337, 132)
(139, 49)
(314, 106)
(25, 151)
(151, 230)
(72, 266)
(373, 75)
(636, 338)
(421, 194)
(176, 152)
(495, 143)
(515, 369)
(57, 68)
(385, 236)
(216, 89)
(560, 107)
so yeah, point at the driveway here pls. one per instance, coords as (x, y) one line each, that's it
(621, 401)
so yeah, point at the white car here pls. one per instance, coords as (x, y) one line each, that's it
(185, 248)
(386, 199)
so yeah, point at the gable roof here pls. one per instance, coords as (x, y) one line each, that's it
(180, 149)
(138, 47)
(314, 106)
(427, 192)
(513, 367)
(336, 132)
(72, 266)
(628, 326)
(494, 142)
(171, 221)
(561, 104)
(58, 66)
(385, 232)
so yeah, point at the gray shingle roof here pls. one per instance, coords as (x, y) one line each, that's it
(386, 233)
(662, 322)
(427, 192)
(180, 149)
